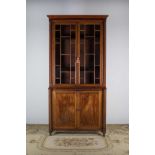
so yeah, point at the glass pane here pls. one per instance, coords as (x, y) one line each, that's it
(81, 76)
(57, 54)
(73, 76)
(73, 35)
(89, 77)
(73, 27)
(82, 27)
(65, 62)
(89, 45)
(89, 62)
(65, 45)
(97, 54)
(73, 81)
(57, 80)
(65, 30)
(57, 71)
(82, 36)
(89, 30)
(97, 72)
(97, 27)
(97, 81)
(72, 65)
(65, 77)
(82, 55)
(57, 27)
(73, 60)
(97, 36)
(57, 36)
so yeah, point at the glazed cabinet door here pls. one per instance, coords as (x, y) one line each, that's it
(89, 110)
(65, 52)
(64, 113)
(90, 53)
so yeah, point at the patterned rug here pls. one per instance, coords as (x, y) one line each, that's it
(115, 142)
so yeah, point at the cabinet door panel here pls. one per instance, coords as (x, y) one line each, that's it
(89, 110)
(64, 110)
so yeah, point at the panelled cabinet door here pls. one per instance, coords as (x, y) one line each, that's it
(89, 110)
(64, 110)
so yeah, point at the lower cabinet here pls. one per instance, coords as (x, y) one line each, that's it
(78, 110)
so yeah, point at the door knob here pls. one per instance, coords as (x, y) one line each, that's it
(78, 60)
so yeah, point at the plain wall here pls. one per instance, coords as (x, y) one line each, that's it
(38, 54)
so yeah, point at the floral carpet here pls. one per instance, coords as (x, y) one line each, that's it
(116, 142)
